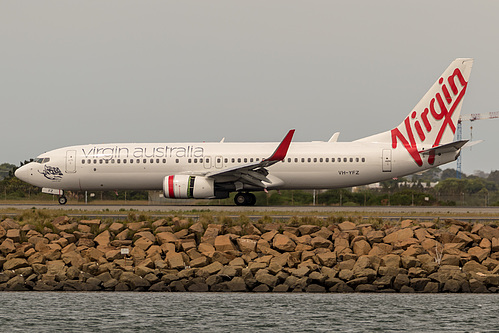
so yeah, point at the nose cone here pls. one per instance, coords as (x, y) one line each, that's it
(22, 173)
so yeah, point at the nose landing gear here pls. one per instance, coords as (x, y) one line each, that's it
(245, 199)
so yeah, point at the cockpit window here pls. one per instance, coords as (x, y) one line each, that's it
(42, 160)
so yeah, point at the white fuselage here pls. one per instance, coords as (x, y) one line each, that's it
(307, 165)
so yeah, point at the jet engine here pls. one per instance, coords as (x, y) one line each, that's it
(188, 187)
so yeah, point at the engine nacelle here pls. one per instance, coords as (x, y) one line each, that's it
(188, 187)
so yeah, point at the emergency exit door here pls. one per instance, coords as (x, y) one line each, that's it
(71, 161)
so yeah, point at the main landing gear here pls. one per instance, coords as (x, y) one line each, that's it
(245, 199)
(63, 200)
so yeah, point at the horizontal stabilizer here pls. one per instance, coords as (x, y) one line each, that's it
(447, 148)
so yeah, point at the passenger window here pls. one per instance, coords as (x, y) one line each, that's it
(320, 160)
(138, 161)
(315, 159)
(100, 161)
(309, 160)
(303, 160)
(119, 161)
(289, 160)
(363, 159)
(245, 160)
(144, 160)
(251, 159)
(339, 159)
(176, 160)
(157, 160)
(189, 160)
(356, 159)
(124, 161)
(151, 160)
(82, 161)
(257, 159)
(345, 159)
(95, 161)
(219, 160)
(200, 160)
(107, 161)
(226, 160)
(296, 160)
(164, 160)
(131, 161)
(112, 161)
(233, 160)
(239, 160)
(351, 159)
(327, 159)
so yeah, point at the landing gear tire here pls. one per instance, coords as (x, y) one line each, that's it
(245, 199)
(252, 199)
(63, 200)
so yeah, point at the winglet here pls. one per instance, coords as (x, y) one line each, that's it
(281, 151)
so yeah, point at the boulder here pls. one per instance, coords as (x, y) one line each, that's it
(488, 232)
(14, 234)
(315, 288)
(15, 263)
(8, 246)
(237, 284)
(9, 223)
(327, 259)
(361, 247)
(134, 281)
(479, 253)
(212, 268)
(175, 260)
(265, 278)
(166, 237)
(246, 244)
(308, 229)
(452, 286)
(347, 226)
(320, 242)
(391, 260)
(103, 238)
(375, 236)
(224, 243)
(283, 243)
(398, 236)
(144, 243)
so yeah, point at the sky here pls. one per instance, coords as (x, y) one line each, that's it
(77, 72)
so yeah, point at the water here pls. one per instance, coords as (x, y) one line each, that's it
(246, 312)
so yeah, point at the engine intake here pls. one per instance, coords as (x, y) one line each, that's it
(188, 187)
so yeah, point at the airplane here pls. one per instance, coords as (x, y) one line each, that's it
(424, 139)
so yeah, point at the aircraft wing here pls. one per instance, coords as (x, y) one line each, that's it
(254, 173)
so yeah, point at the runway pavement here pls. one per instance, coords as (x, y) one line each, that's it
(375, 210)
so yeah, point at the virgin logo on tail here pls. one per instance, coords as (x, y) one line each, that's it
(438, 113)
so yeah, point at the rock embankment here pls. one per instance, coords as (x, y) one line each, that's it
(176, 255)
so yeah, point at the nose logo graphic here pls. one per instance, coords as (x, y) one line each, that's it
(52, 173)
